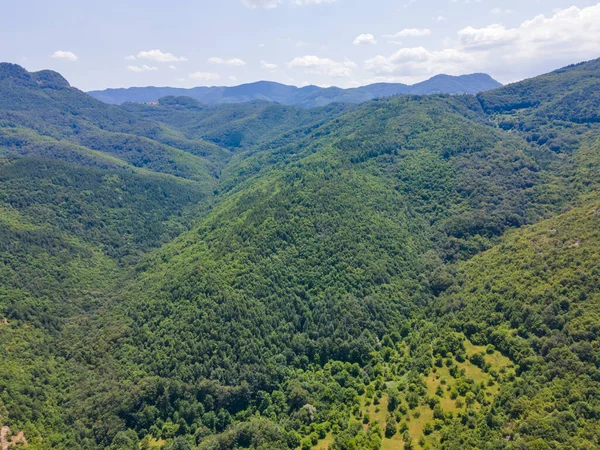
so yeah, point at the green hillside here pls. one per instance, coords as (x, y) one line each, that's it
(411, 272)
(535, 299)
(244, 125)
(44, 103)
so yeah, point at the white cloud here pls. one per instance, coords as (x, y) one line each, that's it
(232, 78)
(491, 36)
(418, 61)
(365, 39)
(323, 66)
(157, 56)
(66, 56)
(409, 32)
(130, 58)
(173, 67)
(268, 66)
(536, 46)
(228, 62)
(268, 4)
(204, 76)
(572, 30)
(143, 68)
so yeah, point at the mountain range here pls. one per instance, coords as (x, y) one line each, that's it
(309, 96)
(411, 272)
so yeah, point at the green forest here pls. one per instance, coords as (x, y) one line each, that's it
(411, 272)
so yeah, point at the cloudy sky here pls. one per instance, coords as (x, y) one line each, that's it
(121, 43)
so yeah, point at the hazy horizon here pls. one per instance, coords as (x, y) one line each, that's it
(344, 43)
(285, 84)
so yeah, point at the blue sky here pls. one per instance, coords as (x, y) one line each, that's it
(120, 43)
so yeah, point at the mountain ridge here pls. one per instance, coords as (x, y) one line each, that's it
(307, 96)
(412, 272)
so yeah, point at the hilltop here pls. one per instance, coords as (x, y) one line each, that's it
(308, 96)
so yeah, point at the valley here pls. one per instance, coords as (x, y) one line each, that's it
(407, 272)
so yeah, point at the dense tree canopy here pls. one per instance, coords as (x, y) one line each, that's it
(411, 272)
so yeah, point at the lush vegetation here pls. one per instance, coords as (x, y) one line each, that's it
(412, 272)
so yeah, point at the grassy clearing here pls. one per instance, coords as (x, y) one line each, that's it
(154, 443)
(439, 377)
(378, 413)
(417, 424)
(324, 444)
(396, 443)
(496, 359)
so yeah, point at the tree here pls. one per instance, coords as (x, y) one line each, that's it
(394, 400)
(125, 440)
(390, 427)
(428, 429)
(180, 444)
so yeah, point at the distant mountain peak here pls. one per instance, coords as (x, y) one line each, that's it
(43, 78)
(307, 96)
(9, 70)
(50, 79)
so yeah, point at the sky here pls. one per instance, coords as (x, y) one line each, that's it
(346, 43)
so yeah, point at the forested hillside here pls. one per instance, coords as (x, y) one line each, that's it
(305, 97)
(410, 272)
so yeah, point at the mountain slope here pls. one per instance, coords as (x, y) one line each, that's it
(561, 89)
(237, 126)
(535, 298)
(45, 103)
(309, 96)
(82, 198)
(383, 275)
(315, 252)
